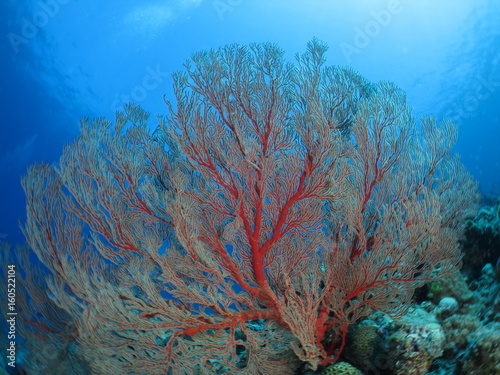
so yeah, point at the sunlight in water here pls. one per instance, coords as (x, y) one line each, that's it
(149, 19)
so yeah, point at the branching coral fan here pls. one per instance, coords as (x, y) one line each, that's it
(273, 206)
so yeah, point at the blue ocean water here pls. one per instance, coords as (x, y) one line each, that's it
(65, 59)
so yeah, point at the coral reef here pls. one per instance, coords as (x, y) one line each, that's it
(405, 346)
(483, 352)
(482, 243)
(341, 368)
(473, 330)
(211, 247)
(455, 331)
(295, 193)
(418, 341)
(363, 343)
(455, 287)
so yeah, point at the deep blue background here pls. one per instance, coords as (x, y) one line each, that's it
(64, 59)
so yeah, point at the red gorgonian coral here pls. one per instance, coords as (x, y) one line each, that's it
(274, 205)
